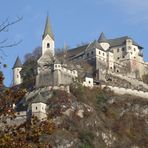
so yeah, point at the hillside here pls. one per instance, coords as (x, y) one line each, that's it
(87, 118)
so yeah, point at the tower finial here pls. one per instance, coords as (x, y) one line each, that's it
(48, 29)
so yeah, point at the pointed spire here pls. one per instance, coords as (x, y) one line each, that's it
(48, 29)
(17, 63)
(102, 38)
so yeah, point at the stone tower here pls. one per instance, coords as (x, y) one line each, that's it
(16, 72)
(48, 39)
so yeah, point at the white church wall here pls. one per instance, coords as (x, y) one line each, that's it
(48, 41)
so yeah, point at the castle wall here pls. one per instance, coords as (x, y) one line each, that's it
(44, 79)
(123, 91)
(119, 52)
(63, 77)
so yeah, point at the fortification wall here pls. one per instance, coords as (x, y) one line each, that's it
(122, 91)
(132, 80)
(44, 79)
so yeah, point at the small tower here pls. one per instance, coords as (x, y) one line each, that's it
(39, 107)
(16, 72)
(48, 39)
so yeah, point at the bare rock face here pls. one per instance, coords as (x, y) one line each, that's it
(123, 123)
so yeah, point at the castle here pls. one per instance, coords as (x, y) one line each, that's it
(121, 55)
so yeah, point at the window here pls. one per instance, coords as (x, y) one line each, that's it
(89, 82)
(17, 76)
(118, 58)
(134, 49)
(123, 57)
(117, 70)
(36, 108)
(103, 54)
(134, 57)
(99, 52)
(92, 52)
(48, 45)
(131, 53)
(122, 49)
(87, 54)
(118, 50)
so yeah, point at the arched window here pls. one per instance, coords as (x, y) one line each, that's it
(48, 45)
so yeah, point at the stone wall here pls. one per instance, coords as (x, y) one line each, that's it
(123, 91)
(44, 79)
(133, 81)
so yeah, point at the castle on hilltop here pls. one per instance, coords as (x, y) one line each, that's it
(120, 55)
(107, 56)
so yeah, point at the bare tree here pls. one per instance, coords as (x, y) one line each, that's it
(4, 43)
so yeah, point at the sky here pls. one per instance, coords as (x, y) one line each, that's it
(73, 22)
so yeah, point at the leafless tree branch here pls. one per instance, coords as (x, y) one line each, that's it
(4, 25)
(10, 45)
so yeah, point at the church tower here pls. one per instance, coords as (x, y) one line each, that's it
(48, 39)
(16, 72)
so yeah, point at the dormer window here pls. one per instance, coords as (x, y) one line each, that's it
(48, 45)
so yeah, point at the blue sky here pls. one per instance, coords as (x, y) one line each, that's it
(73, 22)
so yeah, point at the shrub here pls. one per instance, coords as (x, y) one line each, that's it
(86, 138)
(145, 78)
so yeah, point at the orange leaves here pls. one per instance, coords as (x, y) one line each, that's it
(9, 97)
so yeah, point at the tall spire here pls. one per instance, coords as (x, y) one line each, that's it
(102, 38)
(18, 63)
(48, 29)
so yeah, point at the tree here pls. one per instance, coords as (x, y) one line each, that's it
(4, 43)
